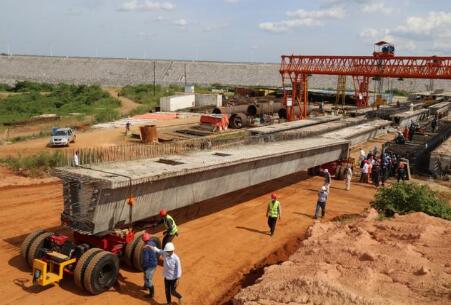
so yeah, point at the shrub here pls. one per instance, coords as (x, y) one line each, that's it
(106, 115)
(403, 198)
(34, 165)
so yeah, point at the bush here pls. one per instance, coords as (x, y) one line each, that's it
(62, 100)
(144, 93)
(106, 115)
(35, 165)
(403, 198)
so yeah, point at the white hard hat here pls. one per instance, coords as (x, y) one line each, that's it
(169, 247)
(326, 170)
(323, 189)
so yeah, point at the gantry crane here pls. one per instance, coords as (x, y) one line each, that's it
(296, 69)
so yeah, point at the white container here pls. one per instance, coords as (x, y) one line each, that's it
(208, 100)
(177, 102)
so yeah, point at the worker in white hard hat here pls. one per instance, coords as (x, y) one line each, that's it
(172, 271)
(322, 200)
(327, 179)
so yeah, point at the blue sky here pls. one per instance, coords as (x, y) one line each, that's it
(225, 30)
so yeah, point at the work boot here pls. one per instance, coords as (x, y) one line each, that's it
(151, 293)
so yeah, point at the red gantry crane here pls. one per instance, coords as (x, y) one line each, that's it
(296, 69)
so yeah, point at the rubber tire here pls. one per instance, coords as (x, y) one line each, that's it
(130, 248)
(137, 255)
(82, 264)
(27, 242)
(36, 246)
(93, 271)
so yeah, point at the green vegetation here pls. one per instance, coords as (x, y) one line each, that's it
(403, 198)
(62, 99)
(398, 92)
(144, 94)
(35, 165)
(27, 86)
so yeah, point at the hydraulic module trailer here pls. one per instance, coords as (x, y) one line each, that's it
(103, 202)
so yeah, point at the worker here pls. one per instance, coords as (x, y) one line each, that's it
(400, 139)
(412, 131)
(321, 203)
(348, 177)
(170, 225)
(149, 262)
(405, 133)
(364, 172)
(401, 172)
(273, 212)
(172, 271)
(127, 127)
(362, 155)
(76, 158)
(434, 124)
(327, 179)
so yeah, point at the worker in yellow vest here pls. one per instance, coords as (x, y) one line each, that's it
(273, 212)
(170, 225)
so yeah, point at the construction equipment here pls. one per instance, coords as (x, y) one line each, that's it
(295, 70)
(341, 91)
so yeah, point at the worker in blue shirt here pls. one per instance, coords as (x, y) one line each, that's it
(149, 262)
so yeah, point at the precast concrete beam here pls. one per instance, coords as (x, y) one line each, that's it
(95, 197)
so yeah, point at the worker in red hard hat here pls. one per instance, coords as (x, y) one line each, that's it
(149, 262)
(170, 225)
(273, 213)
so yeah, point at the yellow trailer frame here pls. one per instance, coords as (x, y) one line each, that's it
(51, 271)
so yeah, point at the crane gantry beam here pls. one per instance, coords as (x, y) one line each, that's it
(296, 68)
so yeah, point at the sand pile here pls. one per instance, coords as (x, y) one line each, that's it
(404, 260)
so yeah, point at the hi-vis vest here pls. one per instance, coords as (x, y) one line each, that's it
(174, 226)
(274, 208)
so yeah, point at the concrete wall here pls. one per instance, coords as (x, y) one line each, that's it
(120, 72)
(177, 102)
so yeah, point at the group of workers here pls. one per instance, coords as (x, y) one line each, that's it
(376, 169)
(172, 268)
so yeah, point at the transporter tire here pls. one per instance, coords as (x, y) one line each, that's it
(101, 273)
(82, 264)
(25, 247)
(36, 247)
(130, 248)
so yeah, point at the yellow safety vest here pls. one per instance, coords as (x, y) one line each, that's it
(274, 208)
(174, 227)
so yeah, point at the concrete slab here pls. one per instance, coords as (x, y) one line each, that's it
(440, 108)
(292, 125)
(404, 119)
(95, 197)
(360, 133)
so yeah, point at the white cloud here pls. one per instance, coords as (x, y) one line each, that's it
(180, 22)
(377, 7)
(435, 24)
(301, 18)
(146, 5)
(335, 12)
(431, 31)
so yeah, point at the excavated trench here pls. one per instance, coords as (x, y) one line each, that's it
(277, 257)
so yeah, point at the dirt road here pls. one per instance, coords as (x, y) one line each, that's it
(216, 249)
(91, 138)
(127, 104)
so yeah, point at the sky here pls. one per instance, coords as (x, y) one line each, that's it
(223, 30)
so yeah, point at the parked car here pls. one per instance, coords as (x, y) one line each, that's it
(62, 137)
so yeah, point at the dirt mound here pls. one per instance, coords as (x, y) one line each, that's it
(404, 260)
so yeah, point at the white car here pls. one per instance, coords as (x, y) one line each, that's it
(62, 137)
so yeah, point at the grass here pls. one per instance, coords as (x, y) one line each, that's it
(62, 99)
(38, 165)
(144, 94)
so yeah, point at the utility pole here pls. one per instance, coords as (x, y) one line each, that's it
(154, 79)
(185, 75)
